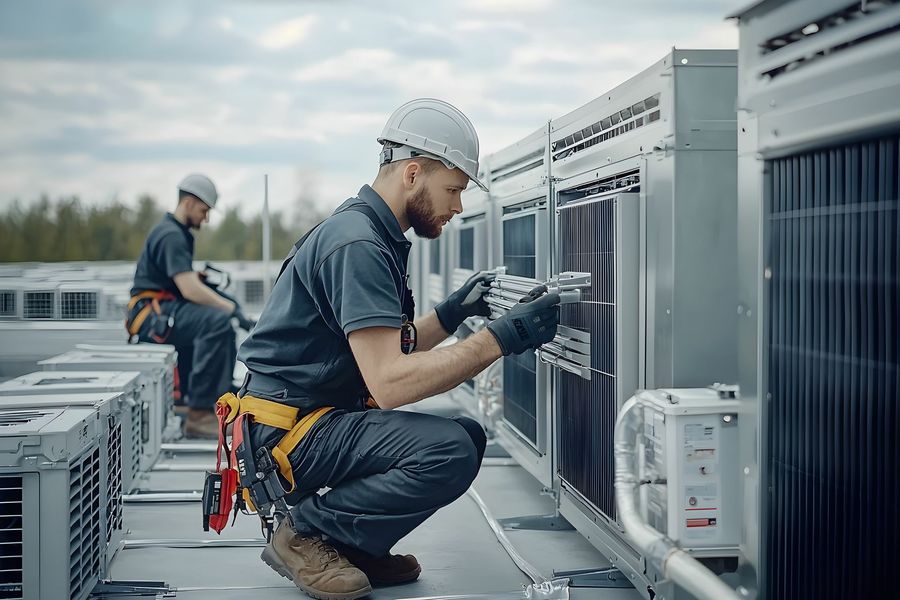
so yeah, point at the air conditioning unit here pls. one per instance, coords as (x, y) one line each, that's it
(644, 183)
(80, 303)
(127, 386)
(11, 298)
(520, 193)
(40, 300)
(157, 366)
(819, 154)
(50, 490)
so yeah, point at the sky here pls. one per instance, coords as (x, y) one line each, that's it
(109, 100)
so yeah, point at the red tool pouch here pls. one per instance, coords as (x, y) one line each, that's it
(221, 485)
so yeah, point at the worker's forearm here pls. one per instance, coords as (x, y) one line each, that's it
(424, 374)
(429, 332)
(201, 294)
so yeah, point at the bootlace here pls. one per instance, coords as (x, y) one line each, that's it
(327, 553)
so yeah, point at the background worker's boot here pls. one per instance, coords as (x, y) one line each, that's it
(390, 569)
(201, 425)
(314, 566)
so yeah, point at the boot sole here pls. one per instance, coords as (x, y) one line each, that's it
(270, 558)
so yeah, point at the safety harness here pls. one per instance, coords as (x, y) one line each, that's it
(149, 301)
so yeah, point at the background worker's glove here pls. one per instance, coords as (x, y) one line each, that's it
(467, 301)
(527, 325)
(244, 322)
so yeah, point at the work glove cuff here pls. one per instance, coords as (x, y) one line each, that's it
(450, 315)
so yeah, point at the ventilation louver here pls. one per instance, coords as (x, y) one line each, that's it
(622, 121)
(38, 304)
(8, 305)
(11, 542)
(467, 248)
(84, 525)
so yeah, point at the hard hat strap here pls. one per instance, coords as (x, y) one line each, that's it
(404, 152)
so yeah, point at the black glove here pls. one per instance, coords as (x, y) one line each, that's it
(527, 325)
(467, 301)
(244, 322)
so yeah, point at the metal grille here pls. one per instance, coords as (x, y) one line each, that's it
(39, 305)
(519, 393)
(254, 291)
(137, 441)
(114, 478)
(7, 303)
(84, 525)
(519, 246)
(832, 449)
(78, 305)
(11, 544)
(519, 372)
(467, 248)
(587, 409)
(619, 122)
(169, 399)
(434, 259)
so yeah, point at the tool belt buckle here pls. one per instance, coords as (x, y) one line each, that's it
(265, 487)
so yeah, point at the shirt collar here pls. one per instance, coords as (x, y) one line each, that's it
(181, 225)
(373, 199)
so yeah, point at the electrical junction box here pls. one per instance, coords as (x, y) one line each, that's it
(690, 458)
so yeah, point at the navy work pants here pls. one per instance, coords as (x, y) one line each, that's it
(205, 332)
(387, 470)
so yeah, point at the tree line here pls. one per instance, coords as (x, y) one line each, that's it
(67, 229)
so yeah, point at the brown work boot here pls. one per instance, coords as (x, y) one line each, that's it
(314, 566)
(201, 425)
(390, 569)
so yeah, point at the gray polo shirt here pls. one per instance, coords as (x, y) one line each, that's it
(346, 276)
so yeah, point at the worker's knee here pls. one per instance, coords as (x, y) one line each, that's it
(460, 459)
(476, 434)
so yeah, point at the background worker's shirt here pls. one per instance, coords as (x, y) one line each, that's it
(168, 251)
(345, 277)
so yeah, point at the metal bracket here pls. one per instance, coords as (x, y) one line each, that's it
(111, 587)
(595, 578)
(554, 522)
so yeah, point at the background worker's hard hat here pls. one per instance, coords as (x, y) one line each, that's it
(200, 186)
(433, 129)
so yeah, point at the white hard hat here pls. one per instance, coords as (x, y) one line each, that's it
(433, 129)
(200, 186)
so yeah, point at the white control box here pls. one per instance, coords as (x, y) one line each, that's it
(690, 459)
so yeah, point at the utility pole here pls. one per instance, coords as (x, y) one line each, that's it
(266, 239)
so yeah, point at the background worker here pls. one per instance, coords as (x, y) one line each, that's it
(330, 336)
(171, 304)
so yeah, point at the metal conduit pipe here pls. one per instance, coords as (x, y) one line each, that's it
(673, 562)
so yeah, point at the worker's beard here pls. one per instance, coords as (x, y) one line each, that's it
(420, 212)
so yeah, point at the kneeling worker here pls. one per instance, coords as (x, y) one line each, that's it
(170, 304)
(334, 339)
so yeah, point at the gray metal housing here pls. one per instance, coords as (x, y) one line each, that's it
(50, 468)
(158, 370)
(683, 163)
(837, 86)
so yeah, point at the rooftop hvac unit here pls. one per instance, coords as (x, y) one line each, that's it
(80, 303)
(10, 299)
(114, 409)
(40, 300)
(644, 181)
(158, 371)
(50, 503)
(819, 157)
(127, 408)
(520, 192)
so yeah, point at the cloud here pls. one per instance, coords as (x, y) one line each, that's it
(287, 34)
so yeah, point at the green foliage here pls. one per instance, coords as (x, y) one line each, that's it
(66, 230)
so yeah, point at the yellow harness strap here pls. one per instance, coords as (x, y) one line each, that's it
(142, 315)
(280, 416)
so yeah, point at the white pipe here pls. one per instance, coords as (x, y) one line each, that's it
(660, 551)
